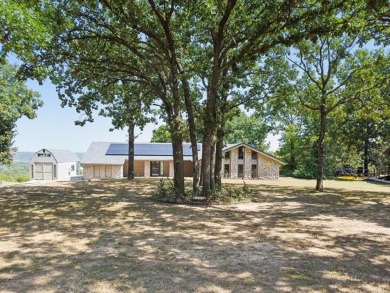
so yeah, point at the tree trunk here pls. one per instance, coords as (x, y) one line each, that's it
(366, 148)
(212, 168)
(130, 167)
(209, 133)
(178, 166)
(194, 142)
(208, 143)
(320, 149)
(218, 159)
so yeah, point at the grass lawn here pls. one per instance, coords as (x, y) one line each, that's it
(109, 236)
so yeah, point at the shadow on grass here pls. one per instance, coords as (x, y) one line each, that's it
(109, 236)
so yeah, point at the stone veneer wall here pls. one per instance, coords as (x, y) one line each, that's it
(88, 173)
(247, 163)
(266, 168)
(234, 163)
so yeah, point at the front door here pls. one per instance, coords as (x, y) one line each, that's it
(156, 169)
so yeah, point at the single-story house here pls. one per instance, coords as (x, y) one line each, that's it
(110, 160)
(49, 164)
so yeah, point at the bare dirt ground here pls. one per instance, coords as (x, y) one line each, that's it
(110, 236)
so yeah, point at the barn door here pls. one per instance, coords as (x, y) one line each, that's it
(38, 171)
(47, 171)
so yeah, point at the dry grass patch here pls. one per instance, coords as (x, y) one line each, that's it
(110, 236)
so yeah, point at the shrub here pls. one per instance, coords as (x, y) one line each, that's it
(229, 194)
(165, 192)
(4, 177)
(22, 178)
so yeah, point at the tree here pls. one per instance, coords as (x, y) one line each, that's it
(130, 42)
(249, 129)
(128, 107)
(332, 75)
(161, 134)
(229, 36)
(16, 101)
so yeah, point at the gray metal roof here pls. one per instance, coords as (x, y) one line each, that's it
(107, 153)
(64, 156)
(96, 154)
(229, 147)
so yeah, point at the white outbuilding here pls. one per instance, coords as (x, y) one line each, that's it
(49, 164)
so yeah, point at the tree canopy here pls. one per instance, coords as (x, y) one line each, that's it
(16, 101)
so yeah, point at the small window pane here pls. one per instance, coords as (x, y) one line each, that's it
(240, 153)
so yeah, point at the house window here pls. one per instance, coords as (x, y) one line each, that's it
(32, 171)
(240, 171)
(226, 172)
(254, 155)
(240, 153)
(44, 155)
(254, 171)
(55, 171)
(227, 155)
(72, 168)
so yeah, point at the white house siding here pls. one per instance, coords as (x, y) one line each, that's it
(64, 170)
(103, 172)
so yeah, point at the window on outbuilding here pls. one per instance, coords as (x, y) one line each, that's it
(254, 171)
(240, 153)
(240, 171)
(226, 172)
(227, 155)
(254, 155)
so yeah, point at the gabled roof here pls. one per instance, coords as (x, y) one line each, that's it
(62, 156)
(96, 154)
(107, 153)
(229, 147)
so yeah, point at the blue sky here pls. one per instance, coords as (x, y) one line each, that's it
(54, 127)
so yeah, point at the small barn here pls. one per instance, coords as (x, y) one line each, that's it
(48, 164)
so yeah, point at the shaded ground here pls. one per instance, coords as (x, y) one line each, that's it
(109, 236)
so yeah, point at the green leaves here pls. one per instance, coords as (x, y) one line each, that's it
(24, 28)
(16, 101)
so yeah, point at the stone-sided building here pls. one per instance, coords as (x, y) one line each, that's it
(246, 162)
